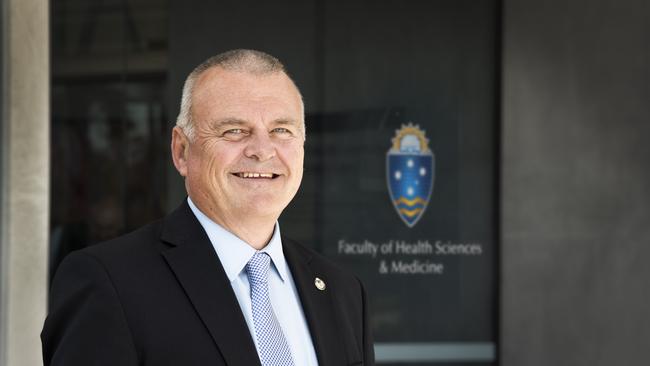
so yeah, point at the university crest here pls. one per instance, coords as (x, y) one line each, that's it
(410, 173)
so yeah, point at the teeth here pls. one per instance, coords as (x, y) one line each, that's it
(255, 175)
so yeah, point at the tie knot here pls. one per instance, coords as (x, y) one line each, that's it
(257, 268)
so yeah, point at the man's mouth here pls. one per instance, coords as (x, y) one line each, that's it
(251, 175)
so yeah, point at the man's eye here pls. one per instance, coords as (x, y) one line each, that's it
(281, 130)
(234, 131)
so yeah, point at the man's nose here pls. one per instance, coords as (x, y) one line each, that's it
(260, 147)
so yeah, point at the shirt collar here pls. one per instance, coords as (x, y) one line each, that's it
(233, 252)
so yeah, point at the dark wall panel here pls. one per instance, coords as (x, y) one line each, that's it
(576, 183)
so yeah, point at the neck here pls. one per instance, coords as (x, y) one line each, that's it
(254, 231)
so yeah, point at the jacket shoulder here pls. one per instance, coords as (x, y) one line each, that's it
(135, 245)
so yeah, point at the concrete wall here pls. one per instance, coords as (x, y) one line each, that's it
(576, 183)
(25, 180)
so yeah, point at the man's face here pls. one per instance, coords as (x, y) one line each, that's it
(246, 159)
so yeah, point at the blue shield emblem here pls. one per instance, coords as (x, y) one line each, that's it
(410, 173)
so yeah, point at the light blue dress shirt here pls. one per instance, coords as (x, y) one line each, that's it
(234, 253)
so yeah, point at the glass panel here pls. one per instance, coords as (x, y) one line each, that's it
(367, 70)
(109, 130)
(401, 156)
(108, 160)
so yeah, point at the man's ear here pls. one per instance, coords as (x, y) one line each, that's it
(180, 149)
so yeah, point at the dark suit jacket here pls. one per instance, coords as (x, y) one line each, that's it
(159, 296)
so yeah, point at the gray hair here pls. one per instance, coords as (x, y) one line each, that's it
(241, 60)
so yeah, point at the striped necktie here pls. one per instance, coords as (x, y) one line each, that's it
(273, 347)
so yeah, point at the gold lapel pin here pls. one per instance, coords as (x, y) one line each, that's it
(320, 284)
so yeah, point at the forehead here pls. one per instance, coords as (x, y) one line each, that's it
(220, 93)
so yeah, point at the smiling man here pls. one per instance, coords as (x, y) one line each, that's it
(215, 283)
(241, 151)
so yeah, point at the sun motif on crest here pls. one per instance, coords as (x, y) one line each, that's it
(410, 138)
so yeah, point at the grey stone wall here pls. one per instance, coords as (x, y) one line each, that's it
(576, 183)
(25, 180)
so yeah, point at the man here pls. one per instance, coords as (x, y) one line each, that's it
(214, 283)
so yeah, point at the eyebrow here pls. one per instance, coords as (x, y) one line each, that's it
(240, 122)
(226, 122)
(286, 121)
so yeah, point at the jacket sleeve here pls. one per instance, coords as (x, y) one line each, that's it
(86, 325)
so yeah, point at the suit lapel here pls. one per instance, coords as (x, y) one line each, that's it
(196, 266)
(318, 305)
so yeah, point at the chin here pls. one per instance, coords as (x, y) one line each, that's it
(262, 207)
